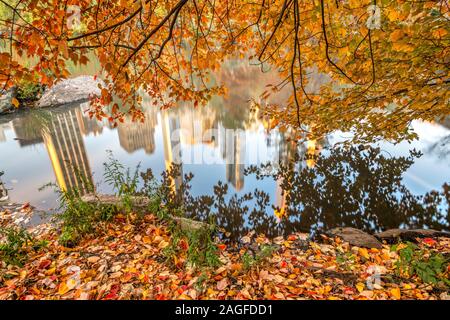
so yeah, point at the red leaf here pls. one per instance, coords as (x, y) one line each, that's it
(45, 264)
(184, 245)
(429, 241)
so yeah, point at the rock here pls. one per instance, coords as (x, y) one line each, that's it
(356, 237)
(143, 202)
(67, 91)
(189, 224)
(393, 235)
(3, 191)
(6, 100)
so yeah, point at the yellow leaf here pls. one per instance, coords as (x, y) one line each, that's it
(71, 283)
(403, 47)
(397, 35)
(63, 288)
(15, 102)
(395, 292)
(23, 274)
(51, 271)
(360, 286)
(392, 15)
(364, 253)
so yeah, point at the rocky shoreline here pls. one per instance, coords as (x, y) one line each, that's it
(64, 92)
(22, 214)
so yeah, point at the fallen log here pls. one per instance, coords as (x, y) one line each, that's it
(140, 202)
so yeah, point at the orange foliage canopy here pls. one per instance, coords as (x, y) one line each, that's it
(382, 63)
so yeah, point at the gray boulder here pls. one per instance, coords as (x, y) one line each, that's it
(356, 237)
(68, 91)
(5, 100)
(3, 190)
(394, 235)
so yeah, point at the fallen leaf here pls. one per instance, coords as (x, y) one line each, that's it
(93, 259)
(395, 292)
(222, 284)
(360, 286)
(364, 253)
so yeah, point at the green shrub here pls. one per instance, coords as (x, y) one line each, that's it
(198, 246)
(28, 91)
(17, 244)
(122, 180)
(430, 267)
(79, 218)
(249, 260)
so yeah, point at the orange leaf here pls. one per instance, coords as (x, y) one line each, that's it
(15, 102)
(395, 292)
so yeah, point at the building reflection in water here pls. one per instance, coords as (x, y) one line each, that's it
(170, 126)
(62, 134)
(223, 126)
(65, 146)
(134, 135)
(234, 153)
(87, 125)
(2, 132)
(28, 132)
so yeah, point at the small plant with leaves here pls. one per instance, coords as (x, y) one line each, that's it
(196, 247)
(249, 260)
(123, 181)
(78, 217)
(430, 266)
(15, 244)
(29, 91)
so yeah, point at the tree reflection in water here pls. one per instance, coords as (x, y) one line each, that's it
(361, 187)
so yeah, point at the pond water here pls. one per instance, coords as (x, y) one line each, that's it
(216, 142)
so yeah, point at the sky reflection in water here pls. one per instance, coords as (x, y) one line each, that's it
(32, 157)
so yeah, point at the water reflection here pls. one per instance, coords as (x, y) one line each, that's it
(327, 187)
(66, 150)
(360, 187)
(134, 136)
(189, 135)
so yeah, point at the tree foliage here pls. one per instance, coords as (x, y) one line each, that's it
(386, 62)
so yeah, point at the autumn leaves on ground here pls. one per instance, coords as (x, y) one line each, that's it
(127, 259)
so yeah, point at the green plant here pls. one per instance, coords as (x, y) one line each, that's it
(202, 249)
(345, 260)
(198, 246)
(78, 217)
(201, 281)
(28, 91)
(249, 260)
(16, 245)
(430, 267)
(122, 180)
